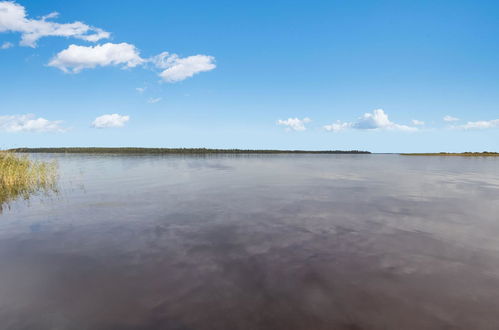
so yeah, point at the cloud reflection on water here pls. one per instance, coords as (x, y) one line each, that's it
(273, 242)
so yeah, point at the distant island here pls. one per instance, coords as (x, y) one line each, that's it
(179, 151)
(462, 154)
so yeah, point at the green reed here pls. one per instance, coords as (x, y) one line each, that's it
(20, 177)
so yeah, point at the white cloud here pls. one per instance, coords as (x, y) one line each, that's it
(76, 58)
(295, 124)
(6, 45)
(338, 126)
(178, 69)
(141, 89)
(29, 123)
(53, 14)
(154, 100)
(13, 18)
(482, 124)
(417, 122)
(106, 121)
(450, 118)
(376, 120)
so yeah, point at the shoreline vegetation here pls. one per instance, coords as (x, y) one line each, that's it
(178, 151)
(458, 154)
(20, 177)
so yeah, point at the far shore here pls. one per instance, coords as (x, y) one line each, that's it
(203, 151)
(127, 150)
(459, 154)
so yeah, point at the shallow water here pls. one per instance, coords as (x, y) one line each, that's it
(255, 242)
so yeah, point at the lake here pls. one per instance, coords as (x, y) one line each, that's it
(255, 242)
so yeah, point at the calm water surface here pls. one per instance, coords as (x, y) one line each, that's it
(256, 242)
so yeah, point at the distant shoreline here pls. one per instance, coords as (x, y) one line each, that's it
(126, 150)
(459, 154)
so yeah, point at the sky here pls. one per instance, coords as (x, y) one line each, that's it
(383, 76)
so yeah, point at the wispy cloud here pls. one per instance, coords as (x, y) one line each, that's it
(375, 120)
(450, 118)
(6, 45)
(112, 120)
(29, 123)
(13, 18)
(154, 100)
(417, 122)
(141, 89)
(338, 126)
(481, 124)
(177, 68)
(294, 124)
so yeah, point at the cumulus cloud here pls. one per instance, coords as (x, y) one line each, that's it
(417, 122)
(13, 18)
(76, 58)
(174, 68)
(294, 124)
(154, 100)
(29, 123)
(376, 120)
(6, 45)
(338, 126)
(107, 121)
(482, 124)
(450, 118)
(177, 68)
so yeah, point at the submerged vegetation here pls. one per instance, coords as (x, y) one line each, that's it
(180, 151)
(462, 154)
(21, 177)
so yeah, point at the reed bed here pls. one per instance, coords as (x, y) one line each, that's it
(20, 177)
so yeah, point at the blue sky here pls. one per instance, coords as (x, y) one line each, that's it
(371, 75)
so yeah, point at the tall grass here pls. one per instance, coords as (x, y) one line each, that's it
(20, 177)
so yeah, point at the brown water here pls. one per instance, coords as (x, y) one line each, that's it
(256, 242)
